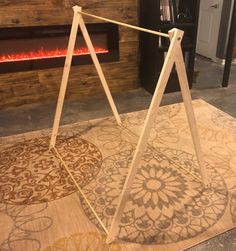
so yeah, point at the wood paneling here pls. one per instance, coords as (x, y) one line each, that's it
(43, 85)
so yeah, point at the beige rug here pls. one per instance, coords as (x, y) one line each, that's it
(167, 210)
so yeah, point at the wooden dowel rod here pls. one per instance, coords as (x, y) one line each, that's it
(65, 77)
(124, 24)
(79, 189)
(99, 69)
(184, 86)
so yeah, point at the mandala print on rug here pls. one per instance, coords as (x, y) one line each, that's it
(30, 173)
(166, 204)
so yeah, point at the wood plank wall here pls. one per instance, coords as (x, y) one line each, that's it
(42, 86)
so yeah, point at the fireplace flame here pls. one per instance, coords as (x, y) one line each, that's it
(45, 54)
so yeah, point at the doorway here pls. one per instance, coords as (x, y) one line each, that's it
(208, 28)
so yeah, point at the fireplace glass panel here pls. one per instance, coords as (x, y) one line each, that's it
(24, 49)
(52, 47)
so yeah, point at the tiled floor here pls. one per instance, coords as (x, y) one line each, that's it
(207, 87)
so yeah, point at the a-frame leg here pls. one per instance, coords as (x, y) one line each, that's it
(183, 81)
(161, 85)
(174, 55)
(99, 69)
(65, 76)
(78, 20)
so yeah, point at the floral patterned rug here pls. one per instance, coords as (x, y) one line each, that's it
(168, 209)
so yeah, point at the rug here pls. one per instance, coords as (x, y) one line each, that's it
(168, 209)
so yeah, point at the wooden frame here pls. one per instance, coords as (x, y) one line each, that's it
(174, 56)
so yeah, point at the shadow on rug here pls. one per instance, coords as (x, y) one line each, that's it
(168, 209)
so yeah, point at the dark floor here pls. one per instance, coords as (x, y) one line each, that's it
(207, 86)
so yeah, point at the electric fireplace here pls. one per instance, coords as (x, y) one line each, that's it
(33, 48)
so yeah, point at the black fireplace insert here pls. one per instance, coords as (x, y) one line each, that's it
(34, 48)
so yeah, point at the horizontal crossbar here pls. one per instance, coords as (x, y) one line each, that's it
(78, 187)
(77, 9)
